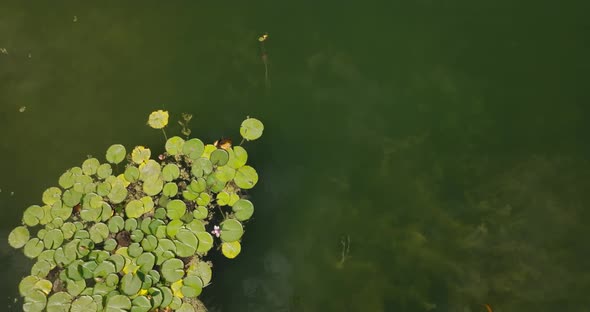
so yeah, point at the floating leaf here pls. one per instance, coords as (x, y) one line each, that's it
(116, 224)
(33, 215)
(84, 304)
(170, 172)
(200, 212)
(231, 249)
(251, 129)
(158, 119)
(71, 198)
(192, 286)
(186, 243)
(219, 157)
(130, 224)
(118, 193)
(225, 173)
(246, 177)
(166, 296)
(90, 166)
(146, 261)
(173, 227)
(59, 302)
(134, 209)
(67, 179)
(243, 209)
(150, 169)
(131, 174)
(104, 269)
(141, 304)
(134, 250)
(193, 148)
(140, 154)
(201, 166)
(170, 189)
(53, 239)
(75, 287)
(116, 153)
(223, 199)
(149, 243)
(99, 232)
(51, 195)
(35, 301)
(153, 185)
(104, 171)
(174, 145)
(118, 303)
(204, 199)
(231, 230)
(204, 271)
(237, 157)
(175, 209)
(41, 268)
(33, 248)
(130, 284)
(172, 270)
(205, 241)
(18, 237)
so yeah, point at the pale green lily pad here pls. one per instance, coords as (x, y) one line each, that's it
(59, 302)
(146, 261)
(153, 185)
(148, 203)
(41, 268)
(196, 226)
(104, 268)
(237, 157)
(225, 173)
(231, 249)
(131, 174)
(61, 211)
(134, 250)
(186, 243)
(67, 179)
(186, 307)
(219, 157)
(199, 185)
(118, 193)
(68, 229)
(130, 284)
(174, 145)
(137, 235)
(141, 304)
(209, 148)
(173, 227)
(243, 209)
(33, 248)
(140, 154)
(204, 272)
(71, 198)
(84, 304)
(51, 195)
(231, 230)
(149, 169)
(170, 189)
(251, 129)
(193, 285)
(201, 166)
(53, 239)
(90, 166)
(75, 288)
(116, 224)
(200, 212)
(18, 237)
(104, 171)
(49, 256)
(246, 177)
(103, 188)
(134, 209)
(204, 199)
(110, 244)
(223, 199)
(170, 172)
(35, 301)
(98, 232)
(116, 153)
(131, 224)
(215, 185)
(175, 209)
(33, 215)
(118, 303)
(193, 148)
(149, 243)
(205, 241)
(172, 270)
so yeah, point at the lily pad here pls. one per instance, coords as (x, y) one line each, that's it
(237, 157)
(33, 215)
(219, 157)
(251, 129)
(231, 249)
(231, 230)
(200, 212)
(33, 248)
(132, 174)
(75, 287)
(223, 199)
(172, 270)
(243, 209)
(53, 239)
(158, 119)
(35, 301)
(84, 304)
(246, 177)
(173, 227)
(71, 198)
(18, 237)
(51, 195)
(193, 148)
(59, 302)
(116, 153)
(170, 189)
(134, 209)
(61, 211)
(186, 243)
(153, 185)
(225, 173)
(205, 242)
(201, 166)
(67, 179)
(99, 232)
(204, 199)
(192, 286)
(104, 269)
(146, 261)
(134, 250)
(130, 284)
(170, 172)
(175, 209)
(90, 166)
(116, 224)
(41, 268)
(174, 145)
(118, 303)
(140, 154)
(141, 304)
(104, 171)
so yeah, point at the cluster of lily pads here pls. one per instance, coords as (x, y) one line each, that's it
(135, 239)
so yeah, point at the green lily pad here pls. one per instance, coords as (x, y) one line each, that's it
(103, 188)
(49, 256)
(205, 242)
(104, 171)
(251, 129)
(130, 284)
(225, 173)
(200, 212)
(148, 203)
(67, 179)
(189, 195)
(156, 295)
(64, 256)
(204, 199)
(59, 302)
(90, 166)
(33, 215)
(170, 172)
(137, 235)
(153, 185)
(71, 198)
(215, 185)
(192, 286)
(166, 296)
(186, 243)
(231, 230)
(104, 269)
(204, 272)
(33, 248)
(246, 177)
(199, 185)
(35, 301)
(131, 174)
(53, 239)
(18, 237)
(130, 224)
(160, 213)
(173, 227)
(107, 212)
(75, 287)
(116, 153)
(149, 169)
(231, 249)
(141, 304)
(118, 261)
(243, 209)
(193, 148)
(149, 243)
(84, 304)
(196, 226)
(134, 250)
(223, 199)
(61, 211)
(237, 157)
(146, 261)
(110, 244)
(209, 148)
(41, 268)
(175, 209)
(134, 209)
(170, 189)
(172, 270)
(219, 157)
(174, 145)
(118, 193)
(140, 154)
(186, 307)
(51, 195)
(118, 303)
(116, 224)
(99, 232)
(201, 166)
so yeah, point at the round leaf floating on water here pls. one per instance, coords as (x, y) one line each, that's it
(66, 180)
(84, 304)
(35, 301)
(51, 195)
(170, 172)
(104, 171)
(231, 230)
(131, 174)
(246, 177)
(18, 237)
(33, 215)
(134, 209)
(231, 249)
(193, 148)
(118, 303)
(172, 270)
(59, 302)
(33, 248)
(116, 153)
(99, 232)
(175, 209)
(186, 243)
(90, 166)
(205, 242)
(53, 239)
(174, 145)
(237, 157)
(200, 212)
(153, 185)
(158, 119)
(192, 286)
(140, 154)
(141, 304)
(170, 189)
(219, 157)
(251, 129)
(130, 284)
(243, 209)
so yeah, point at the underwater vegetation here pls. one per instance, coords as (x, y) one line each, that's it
(132, 233)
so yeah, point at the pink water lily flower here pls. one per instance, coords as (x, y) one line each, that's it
(216, 231)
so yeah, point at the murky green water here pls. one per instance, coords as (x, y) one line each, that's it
(446, 140)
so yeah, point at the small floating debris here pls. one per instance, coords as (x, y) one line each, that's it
(75, 18)
(3, 51)
(11, 193)
(22, 109)
(29, 55)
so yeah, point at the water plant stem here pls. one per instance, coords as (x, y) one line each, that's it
(264, 57)
(165, 136)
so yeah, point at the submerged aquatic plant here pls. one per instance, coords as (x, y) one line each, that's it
(137, 240)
